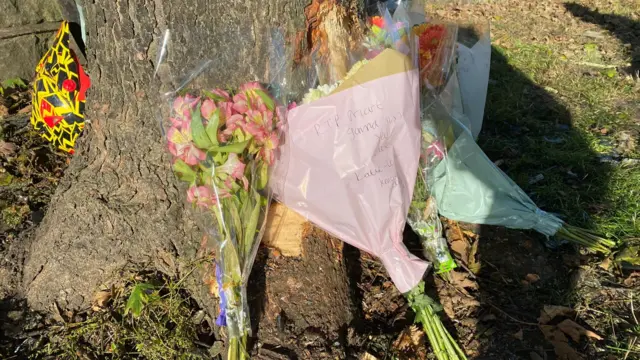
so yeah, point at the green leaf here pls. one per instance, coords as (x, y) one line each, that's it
(610, 73)
(138, 299)
(200, 137)
(263, 176)
(213, 96)
(266, 99)
(212, 127)
(235, 217)
(11, 83)
(184, 172)
(252, 224)
(232, 148)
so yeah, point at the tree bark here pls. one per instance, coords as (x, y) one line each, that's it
(119, 203)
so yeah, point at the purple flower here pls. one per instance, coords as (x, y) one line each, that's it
(222, 317)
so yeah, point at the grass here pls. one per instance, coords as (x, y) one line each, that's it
(548, 120)
(148, 317)
(563, 104)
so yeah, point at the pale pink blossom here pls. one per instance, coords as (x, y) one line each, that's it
(221, 93)
(267, 150)
(183, 105)
(207, 108)
(181, 145)
(204, 196)
(234, 168)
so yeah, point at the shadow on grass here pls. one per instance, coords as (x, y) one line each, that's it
(622, 27)
(529, 134)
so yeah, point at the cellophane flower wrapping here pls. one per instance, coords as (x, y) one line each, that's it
(352, 141)
(222, 140)
(464, 182)
(436, 48)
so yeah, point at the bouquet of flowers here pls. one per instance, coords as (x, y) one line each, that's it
(222, 146)
(465, 184)
(352, 147)
(435, 44)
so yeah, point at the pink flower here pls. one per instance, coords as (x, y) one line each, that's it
(240, 103)
(204, 196)
(254, 85)
(221, 93)
(234, 168)
(226, 109)
(267, 150)
(207, 108)
(247, 98)
(232, 123)
(180, 122)
(183, 105)
(436, 149)
(181, 145)
(258, 124)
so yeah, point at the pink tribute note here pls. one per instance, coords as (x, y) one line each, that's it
(349, 166)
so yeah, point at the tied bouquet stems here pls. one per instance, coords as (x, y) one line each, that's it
(426, 310)
(587, 238)
(222, 147)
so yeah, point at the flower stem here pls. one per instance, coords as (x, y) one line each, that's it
(443, 344)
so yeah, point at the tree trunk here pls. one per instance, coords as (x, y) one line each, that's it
(119, 203)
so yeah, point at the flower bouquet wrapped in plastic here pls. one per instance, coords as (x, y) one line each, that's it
(466, 185)
(352, 146)
(222, 144)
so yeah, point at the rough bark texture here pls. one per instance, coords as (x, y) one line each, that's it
(119, 202)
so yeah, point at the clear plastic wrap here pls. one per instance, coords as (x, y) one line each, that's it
(352, 142)
(222, 143)
(466, 184)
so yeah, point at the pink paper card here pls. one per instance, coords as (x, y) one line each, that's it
(349, 164)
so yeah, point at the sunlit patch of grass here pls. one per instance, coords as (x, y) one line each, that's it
(549, 117)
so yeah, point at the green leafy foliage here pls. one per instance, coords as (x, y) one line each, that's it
(160, 326)
(212, 127)
(15, 83)
(183, 171)
(233, 148)
(200, 137)
(140, 296)
(268, 101)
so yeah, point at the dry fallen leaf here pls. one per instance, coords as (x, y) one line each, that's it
(472, 261)
(532, 278)
(575, 331)
(535, 356)
(367, 356)
(461, 248)
(605, 264)
(408, 338)
(632, 279)
(551, 311)
(100, 299)
(564, 351)
(7, 148)
(26, 109)
(519, 335)
(462, 281)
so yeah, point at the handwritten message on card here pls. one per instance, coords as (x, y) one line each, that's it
(350, 161)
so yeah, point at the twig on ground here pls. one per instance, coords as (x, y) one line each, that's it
(510, 317)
